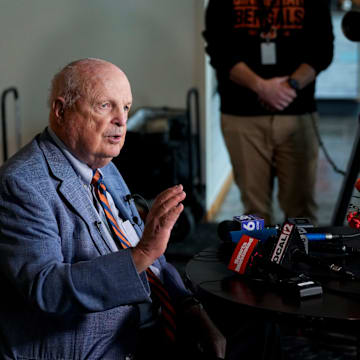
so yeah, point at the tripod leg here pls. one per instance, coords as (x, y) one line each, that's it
(347, 187)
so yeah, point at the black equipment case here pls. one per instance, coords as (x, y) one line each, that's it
(162, 149)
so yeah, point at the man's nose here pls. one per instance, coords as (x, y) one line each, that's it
(120, 118)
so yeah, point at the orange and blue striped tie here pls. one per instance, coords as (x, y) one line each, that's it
(158, 290)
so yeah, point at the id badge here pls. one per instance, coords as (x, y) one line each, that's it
(268, 53)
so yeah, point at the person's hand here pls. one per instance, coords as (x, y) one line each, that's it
(160, 220)
(198, 325)
(276, 94)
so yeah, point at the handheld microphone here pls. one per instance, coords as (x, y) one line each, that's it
(271, 260)
(328, 236)
(231, 230)
(251, 257)
(263, 234)
(289, 251)
(230, 234)
(288, 240)
(313, 261)
(320, 237)
(245, 255)
(332, 243)
(225, 228)
(333, 247)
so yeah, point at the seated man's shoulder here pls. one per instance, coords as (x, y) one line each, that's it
(26, 163)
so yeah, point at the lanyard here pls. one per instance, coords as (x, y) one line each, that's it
(265, 11)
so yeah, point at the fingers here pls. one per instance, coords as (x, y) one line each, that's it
(168, 193)
(169, 201)
(163, 214)
(277, 95)
(283, 78)
(168, 220)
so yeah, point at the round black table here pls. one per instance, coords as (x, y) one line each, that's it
(338, 308)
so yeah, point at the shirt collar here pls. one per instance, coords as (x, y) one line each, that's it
(82, 169)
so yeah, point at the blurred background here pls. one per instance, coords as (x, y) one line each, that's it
(158, 44)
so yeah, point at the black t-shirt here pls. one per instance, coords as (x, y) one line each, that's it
(233, 33)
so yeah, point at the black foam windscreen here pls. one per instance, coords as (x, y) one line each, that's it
(225, 227)
(286, 244)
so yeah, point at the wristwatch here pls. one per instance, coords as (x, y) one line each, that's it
(294, 84)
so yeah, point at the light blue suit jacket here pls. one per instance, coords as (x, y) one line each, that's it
(64, 294)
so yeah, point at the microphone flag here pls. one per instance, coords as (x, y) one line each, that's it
(243, 257)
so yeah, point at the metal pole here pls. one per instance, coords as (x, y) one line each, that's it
(3, 120)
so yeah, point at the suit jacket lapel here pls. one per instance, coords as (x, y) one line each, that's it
(71, 188)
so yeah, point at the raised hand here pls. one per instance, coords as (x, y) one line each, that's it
(162, 216)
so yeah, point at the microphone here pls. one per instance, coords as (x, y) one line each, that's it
(139, 201)
(263, 234)
(231, 230)
(320, 237)
(289, 250)
(251, 257)
(129, 197)
(225, 228)
(350, 25)
(288, 241)
(332, 243)
(329, 236)
(270, 260)
(313, 261)
(333, 247)
(244, 259)
(231, 233)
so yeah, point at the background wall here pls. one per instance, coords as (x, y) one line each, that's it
(157, 43)
(153, 41)
(341, 79)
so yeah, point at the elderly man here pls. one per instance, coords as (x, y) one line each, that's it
(83, 277)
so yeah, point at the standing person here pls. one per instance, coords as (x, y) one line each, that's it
(267, 55)
(82, 276)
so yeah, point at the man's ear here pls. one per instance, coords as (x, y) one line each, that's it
(58, 108)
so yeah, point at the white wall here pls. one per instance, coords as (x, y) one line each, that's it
(217, 158)
(157, 43)
(217, 161)
(153, 41)
(341, 78)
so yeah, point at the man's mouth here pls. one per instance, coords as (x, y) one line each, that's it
(114, 137)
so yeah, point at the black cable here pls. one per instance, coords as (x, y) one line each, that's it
(207, 256)
(136, 198)
(343, 236)
(322, 146)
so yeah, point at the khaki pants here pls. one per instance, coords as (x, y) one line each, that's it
(262, 147)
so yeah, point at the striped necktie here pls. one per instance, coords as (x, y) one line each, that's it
(158, 292)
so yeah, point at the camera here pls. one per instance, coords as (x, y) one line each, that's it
(350, 25)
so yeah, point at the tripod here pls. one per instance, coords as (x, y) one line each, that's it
(347, 187)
